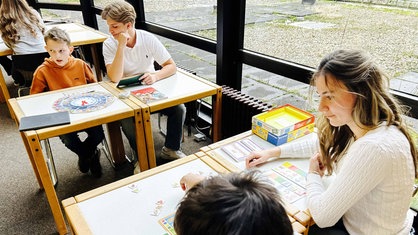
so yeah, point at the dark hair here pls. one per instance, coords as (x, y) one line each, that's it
(237, 203)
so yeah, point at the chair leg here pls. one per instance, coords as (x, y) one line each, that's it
(50, 162)
(106, 150)
(162, 131)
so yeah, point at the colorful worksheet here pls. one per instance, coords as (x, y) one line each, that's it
(168, 224)
(289, 180)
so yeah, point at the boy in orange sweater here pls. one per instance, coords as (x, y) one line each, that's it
(62, 70)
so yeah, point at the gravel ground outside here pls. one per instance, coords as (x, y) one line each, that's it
(389, 33)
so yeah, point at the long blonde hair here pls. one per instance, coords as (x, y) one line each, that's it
(15, 15)
(374, 104)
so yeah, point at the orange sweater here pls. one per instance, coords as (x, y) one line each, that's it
(49, 76)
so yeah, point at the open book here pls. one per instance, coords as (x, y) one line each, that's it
(148, 94)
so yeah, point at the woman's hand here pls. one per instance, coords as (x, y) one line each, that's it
(190, 180)
(316, 166)
(258, 157)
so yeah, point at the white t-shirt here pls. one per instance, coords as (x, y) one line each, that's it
(141, 57)
(371, 188)
(28, 44)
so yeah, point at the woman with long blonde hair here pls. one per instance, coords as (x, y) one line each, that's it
(363, 140)
(21, 28)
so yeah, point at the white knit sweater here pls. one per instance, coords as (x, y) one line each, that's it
(372, 186)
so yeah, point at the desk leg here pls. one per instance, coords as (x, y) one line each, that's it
(141, 144)
(217, 115)
(146, 114)
(116, 142)
(32, 161)
(6, 94)
(96, 62)
(35, 147)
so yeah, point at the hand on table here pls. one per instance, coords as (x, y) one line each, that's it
(257, 157)
(148, 78)
(316, 166)
(190, 180)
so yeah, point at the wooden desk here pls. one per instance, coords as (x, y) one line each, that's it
(42, 103)
(297, 209)
(79, 34)
(180, 88)
(117, 209)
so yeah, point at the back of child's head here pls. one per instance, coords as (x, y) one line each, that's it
(58, 35)
(237, 203)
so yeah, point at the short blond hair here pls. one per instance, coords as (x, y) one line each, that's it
(119, 11)
(58, 35)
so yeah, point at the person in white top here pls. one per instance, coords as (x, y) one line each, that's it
(129, 52)
(22, 30)
(364, 142)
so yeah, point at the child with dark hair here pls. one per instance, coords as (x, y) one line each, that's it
(237, 203)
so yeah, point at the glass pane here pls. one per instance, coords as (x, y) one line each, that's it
(304, 31)
(102, 3)
(62, 15)
(195, 60)
(274, 89)
(188, 16)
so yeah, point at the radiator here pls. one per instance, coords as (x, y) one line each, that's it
(237, 111)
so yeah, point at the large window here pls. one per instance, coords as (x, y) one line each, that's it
(304, 33)
(190, 16)
(298, 31)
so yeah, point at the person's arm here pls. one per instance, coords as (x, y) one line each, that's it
(190, 180)
(168, 68)
(39, 83)
(301, 148)
(115, 69)
(363, 168)
(88, 73)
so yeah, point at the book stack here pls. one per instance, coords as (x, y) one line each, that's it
(283, 124)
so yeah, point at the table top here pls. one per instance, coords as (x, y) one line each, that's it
(128, 207)
(79, 35)
(179, 88)
(216, 152)
(43, 103)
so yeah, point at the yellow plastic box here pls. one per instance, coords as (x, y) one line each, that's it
(287, 137)
(280, 125)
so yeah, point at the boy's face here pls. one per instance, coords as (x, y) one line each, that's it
(115, 28)
(59, 51)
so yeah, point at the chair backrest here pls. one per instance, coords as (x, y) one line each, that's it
(23, 67)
